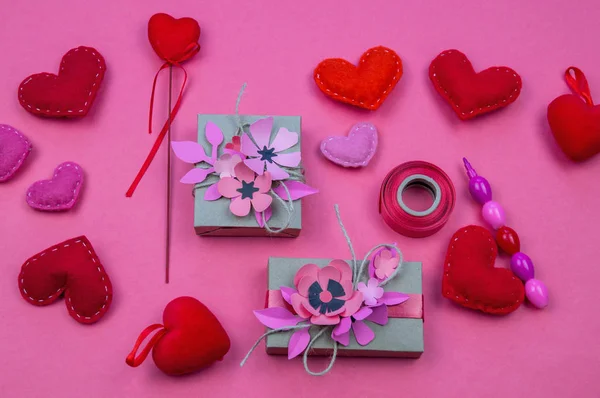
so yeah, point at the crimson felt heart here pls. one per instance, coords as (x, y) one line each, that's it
(470, 278)
(575, 126)
(69, 94)
(71, 268)
(574, 120)
(366, 85)
(174, 40)
(191, 338)
(469, 93)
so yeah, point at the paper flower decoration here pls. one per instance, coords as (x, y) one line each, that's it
(264, 154)
(245, 190)
(334, 300)
(249, 190)
(225, 165)
(374, 294)
(235, 146)
(371, 291)
(383, 264)
(375, 310)
(324, 295)
(192, 152)
(363, 333)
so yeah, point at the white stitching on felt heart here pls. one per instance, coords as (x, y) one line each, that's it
(451, 252)
(62, 67)
(23, 155)
(320, 82)
(72, 201)
(372, 141)
(507, 70)
(59, 291)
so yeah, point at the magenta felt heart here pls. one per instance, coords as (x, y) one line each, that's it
(14, 149)
(61, 192)
(355, 150)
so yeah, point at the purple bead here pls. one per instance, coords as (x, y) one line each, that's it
(536, 293)
(493, 214)
(522, 266)
(480, 189)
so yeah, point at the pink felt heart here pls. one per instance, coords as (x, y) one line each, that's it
(61, 192)
(355, 150)
(14, 149)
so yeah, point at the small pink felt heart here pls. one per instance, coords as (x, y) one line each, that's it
(355, 150)
(14, 149)
(61, 192)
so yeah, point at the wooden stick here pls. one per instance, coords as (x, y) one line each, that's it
(168, 225)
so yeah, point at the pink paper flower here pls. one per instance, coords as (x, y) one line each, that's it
(374, 295)
(376, 313)
(245, 190)
(383, 263)
(362, 332)
(266, 154)
(225, 165)
(375, 310)
(371, 291)
(325, 294)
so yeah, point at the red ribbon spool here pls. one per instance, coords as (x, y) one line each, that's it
(409, 222)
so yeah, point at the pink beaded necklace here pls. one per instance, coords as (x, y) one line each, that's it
(506, 238)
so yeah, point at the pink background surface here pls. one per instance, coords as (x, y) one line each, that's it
(274, 46)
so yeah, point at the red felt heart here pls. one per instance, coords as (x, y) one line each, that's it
(174, 40)
(366, 85)
(73, 268)
(71, 92)
(472, 94)
(190, 339)
(470, 278)
(575, 124)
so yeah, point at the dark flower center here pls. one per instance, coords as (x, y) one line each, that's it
(316, 297)
(247, 190)
(267, 154)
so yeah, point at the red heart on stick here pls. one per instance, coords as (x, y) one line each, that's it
(470, 278)
(366, 85)
(174, 40)
(575, 123)
(472, 94)
(190, 339)
(73, 268)
(70, 93)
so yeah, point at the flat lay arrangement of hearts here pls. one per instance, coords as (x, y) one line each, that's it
(299, 199)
